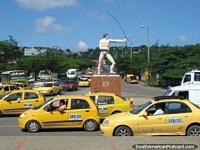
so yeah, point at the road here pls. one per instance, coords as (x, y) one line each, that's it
(51, 139)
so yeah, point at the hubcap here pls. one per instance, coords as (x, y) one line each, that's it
(90, 125)
(195, 132)
(123, 132)
(33, 126)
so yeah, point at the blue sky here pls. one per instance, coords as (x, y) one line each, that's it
(79, 24)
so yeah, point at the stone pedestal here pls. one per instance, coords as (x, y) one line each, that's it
(106, 83)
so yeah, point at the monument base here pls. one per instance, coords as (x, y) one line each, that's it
(106, 83)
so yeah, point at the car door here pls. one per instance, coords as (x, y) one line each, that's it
(78, 113)
(52, 118)
(12, 103)
(30, 100)
(178, 117)
(152, 124)
(106, 105)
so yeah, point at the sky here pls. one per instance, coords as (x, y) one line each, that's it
(80, 24)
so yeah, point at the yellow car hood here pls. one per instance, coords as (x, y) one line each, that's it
(121, 116)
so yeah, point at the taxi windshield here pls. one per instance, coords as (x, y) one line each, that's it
(39, 106)
(138, 110)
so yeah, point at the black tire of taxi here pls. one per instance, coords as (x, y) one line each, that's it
(90, 125)
(123, 131)
(51, 93)
(33, 126)
(193, 130)
(59, 92)
(1, 114)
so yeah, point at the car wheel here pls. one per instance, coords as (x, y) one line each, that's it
(193, 130)
(123, 131)
(51, 93)
(1, 114)
(90, 125)
(33, 126)
(59, 92)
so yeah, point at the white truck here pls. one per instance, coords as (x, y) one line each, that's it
(192, 93)
(191, 78)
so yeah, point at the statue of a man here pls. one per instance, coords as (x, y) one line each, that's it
(104, 44)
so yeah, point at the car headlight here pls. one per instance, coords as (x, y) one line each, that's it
(105, 122)
(22, 115)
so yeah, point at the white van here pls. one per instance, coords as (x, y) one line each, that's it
(192, 93)
(191, 78)
(72, 73)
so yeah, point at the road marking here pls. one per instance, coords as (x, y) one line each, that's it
(21, 143)
(113, 144)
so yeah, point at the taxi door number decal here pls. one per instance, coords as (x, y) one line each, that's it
(28, 105)
(103, 109)
(75, 117)
(175, 120)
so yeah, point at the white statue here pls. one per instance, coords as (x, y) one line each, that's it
(104, 48)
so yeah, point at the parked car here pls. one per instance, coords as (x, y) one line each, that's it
(5, 89)
(178, 117)
(132, 79)
(70, 85)
(50, 88)
(110, 103)
(81, 112)
(18, 101)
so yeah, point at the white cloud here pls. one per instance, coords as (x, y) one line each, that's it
(45, 4)
(82, 46)
(47, 24)
(96, 16)
(183, 38)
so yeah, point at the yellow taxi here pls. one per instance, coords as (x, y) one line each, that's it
(50, 88)
(110, 103)
(132, 79)
(127, 76)
(18, 101)
(23, 86)
(90, 72)
(84, 82)
(5, 89)
(161, 116)
(81, 112)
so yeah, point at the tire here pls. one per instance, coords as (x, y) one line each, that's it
(1, 114)
(59, 92)
(193, 130)
(90, 125)
(123, 131)
(33, 126)
(51, 93)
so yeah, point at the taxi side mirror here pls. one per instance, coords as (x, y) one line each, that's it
(144, 114)
(48, 108)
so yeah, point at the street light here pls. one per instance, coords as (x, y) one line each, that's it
(148, 49)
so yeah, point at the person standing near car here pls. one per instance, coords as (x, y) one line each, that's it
(104, 44)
